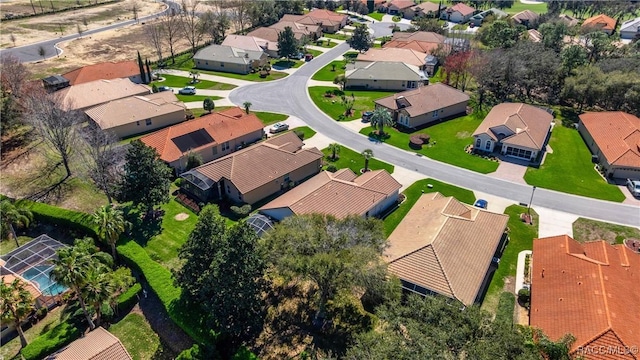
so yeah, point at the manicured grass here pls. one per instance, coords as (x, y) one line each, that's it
(327, 74)
(376, 15)
(269, 118)
(200, 111)
(413, 193)
(287, 64)
(448, 140)
(569, 169)
(315, 53)
(326, 43)
(190, 98)
(181, 81)
(136, 335)
(521, 237)
(333, 106)
(589, 230)
(517, 7)
(185, 62)
(504, 313)
(10, 349)
(348, 158)
(336, 36)
(307, 131)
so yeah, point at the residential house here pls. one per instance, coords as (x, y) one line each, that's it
(9, 277)
(458, 13)
(98, 344)
(570, 21)
(614, 138)
(384, 75)
(515, 129)
(400, 8)
(300, 31)
(252, 43)
(445, 247)
(211, 136)
(329, 21)
(630, 29)
(425, 9)
(255, 173)
(588, 290)
(420, 41)
(89, 94)
(479, 18)
(526, 17)
(600, 22)
(55, 82)
(425, 105)
(137, 114)
(229, 59)
(343, 193)
(534, 35)
(105, 71)
(407, 56)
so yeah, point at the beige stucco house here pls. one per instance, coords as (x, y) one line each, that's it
(458, 13)
(252, 43)
(384, 75)
(229, 59)
(92, 93)
(329, 21)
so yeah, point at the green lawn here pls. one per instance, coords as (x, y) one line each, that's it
(315, 53)
(185, 62)
(413, 193)
(200, 111)
(448, 140)
(287, 64)
(327, 74)
(326, 43)
(354, 161)
(181, 81)
(269, 118)
(569, 169)
(307, 131)
(336, 36)
(189, 98)
(589, 230)
(10, 349)
(376, 15)
(333, 106)
(138, 338)
(517, 7)
(521, 237)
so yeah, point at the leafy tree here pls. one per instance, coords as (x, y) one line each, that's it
(13, 216)
(216, 25)
(334, 254)
(361, 39)
(287, 43)
(102, 286)
(381, 118)
(340, 80)
(367, 154)
(111, 224)
(190, 24)
(573, 56)
(553, 35)
(16, 303)
(195, 74)
(208, 105)
(457, 68)
(599, 45)
(586, 87)
(500, 34)
(335, 150)
(146, 178)
(247, 106)
(193, 161)
(430, 25)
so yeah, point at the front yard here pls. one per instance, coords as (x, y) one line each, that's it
(569, 169)
(190, 98)
(447, 144)
(306, 132)
(376, 15)
(269, 118)
(185, 62)
(348, 158)
(181, 81)
(333, 106)
(590, 230)
(328, 73)
(336, 36)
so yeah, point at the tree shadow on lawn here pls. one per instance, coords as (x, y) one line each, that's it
(143, 228)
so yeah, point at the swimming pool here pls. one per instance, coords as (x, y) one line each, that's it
(40, 276)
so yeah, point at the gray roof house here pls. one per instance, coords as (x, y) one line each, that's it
(229, 59)
(630, 29)
(384, 75)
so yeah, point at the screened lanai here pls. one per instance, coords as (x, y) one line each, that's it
(260, 223)
(199, 185)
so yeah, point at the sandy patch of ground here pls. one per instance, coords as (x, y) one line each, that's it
(181, 217)
(32, 30)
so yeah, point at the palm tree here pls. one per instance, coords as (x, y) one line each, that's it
(247, 106)
(10, 216)
(16, 302)
(111, 224)
(381, 118)
(335, 149)
(195, 74)
(73, 267)
(97, 290)
(367, 154)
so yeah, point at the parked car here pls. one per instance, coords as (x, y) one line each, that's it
(634, 187)
(187, 90)
(366, 116)
(164, 88)
(278, 127)
(481, 203)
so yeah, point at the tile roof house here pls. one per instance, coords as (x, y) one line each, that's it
(98, 344)
(515, 129)
(106, 71)
(534, 35)
(420, 41)
(255, 173)
(86, 95)
(407, 56)
(400, 7)
(425, 9)
(229, 59)
(299, 31)
(614, 137)
(384, 75)
(425, 105)
(54, 83)
(445, 247)
(329, 21)
(211, 136)
(600, 22)
(342, 193)
(630, 29)
(458, 13)
(568, 20)
(526, 17)
(136, 114)
(590, 291)
(252, 43)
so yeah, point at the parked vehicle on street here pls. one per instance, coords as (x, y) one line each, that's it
(634, 187)
(164, 88)
(187, 90)
(481, 203)
(278, 127)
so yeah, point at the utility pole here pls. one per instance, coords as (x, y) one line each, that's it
(533, 191)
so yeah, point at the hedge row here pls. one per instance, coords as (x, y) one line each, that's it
(57, 337)
(129, 298)
(80, 222)
(504, 313)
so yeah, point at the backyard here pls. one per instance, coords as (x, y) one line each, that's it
(181, 81)
(348, 158)
(590, 230)
(333, 106)
(138, 338)
(447, 143)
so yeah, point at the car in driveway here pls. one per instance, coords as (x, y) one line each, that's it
(366, 116)
(279, 127)
(187, 90)
(164, 88)
(634, 187)
(481, 203)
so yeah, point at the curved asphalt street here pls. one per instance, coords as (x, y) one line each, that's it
(290, 96)
(29, 53)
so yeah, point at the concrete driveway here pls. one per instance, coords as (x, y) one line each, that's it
(510, 172)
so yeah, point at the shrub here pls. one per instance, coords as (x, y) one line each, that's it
(81, 224)
(524, 297)
(504, 313)
(348, 314)
(189, 114)
(264, 73)
(189, 203)
(241, 211)
(332, 168)
(178, 182)
(415, 142)
(129, 298)
(299, 133)
(54, 339)
(338, 92)
(42, 312)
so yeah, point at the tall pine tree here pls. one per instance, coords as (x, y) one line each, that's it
(287, 43)
(143, 75)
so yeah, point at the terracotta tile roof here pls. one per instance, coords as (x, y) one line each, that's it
(587, 290)
(256, 165)
(617, 135)
(98, 92)
(106, 71)
(342, 194)
(426, 36)
(445, 246)
(402, 4)
(428, 6)
(320, 16)
(424, 99)
(462, 8)
(8, 277)
(525, 15)
(249, 43)
(602, 22)
(529, 124)
(221, 126)
(266, 33)
(135, 108)
(534, 35)
(99, 344)
(408, 56)
(419, 46)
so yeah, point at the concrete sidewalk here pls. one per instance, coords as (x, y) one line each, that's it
(520, 270)
(318, 141)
